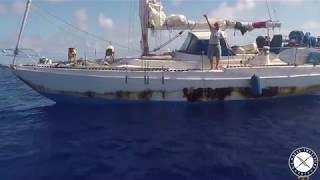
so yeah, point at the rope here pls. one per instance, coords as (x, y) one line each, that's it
(81, 30)
(45, 17)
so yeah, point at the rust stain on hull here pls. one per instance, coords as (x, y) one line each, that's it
(186, 94)
(193, 95)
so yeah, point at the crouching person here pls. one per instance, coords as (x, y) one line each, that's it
(110, 55)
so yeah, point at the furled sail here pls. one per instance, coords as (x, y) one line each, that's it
(158, 20)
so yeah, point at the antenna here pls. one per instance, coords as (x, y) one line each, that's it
(25, 16)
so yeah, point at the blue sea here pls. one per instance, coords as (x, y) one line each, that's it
(248, 140)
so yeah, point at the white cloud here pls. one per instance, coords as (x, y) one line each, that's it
(235, 11)
(57, 1)
(18, 7)
(312, 26)
(291, 2)
(177, 2)
(105, 23)
(3, 10)
(81, 18)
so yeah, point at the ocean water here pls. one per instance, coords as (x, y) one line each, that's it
(218, 141)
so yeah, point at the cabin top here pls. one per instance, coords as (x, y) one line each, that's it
(201, 35)
(197, 43)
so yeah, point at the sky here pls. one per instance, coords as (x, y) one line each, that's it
(117, 21)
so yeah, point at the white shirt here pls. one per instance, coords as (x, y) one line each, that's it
(215, 37)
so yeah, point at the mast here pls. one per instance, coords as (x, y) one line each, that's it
(25, 16)
(144, 20)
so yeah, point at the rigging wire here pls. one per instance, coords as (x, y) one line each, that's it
(130, 25)
(65, 30)
(268, 8)
(81, 30)
(46, 18)
(136, 20)
(160, 33)
(172, 39)
(275, 14)
(169, 41)
(274, 11)
(270, 17)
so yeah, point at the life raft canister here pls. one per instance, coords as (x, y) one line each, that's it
(256, 86)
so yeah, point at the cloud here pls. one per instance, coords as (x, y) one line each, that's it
(235, 11)
(81, 18)
(291, 2)
(3, 10)
(312, 26)
(56, 1)
(105, 23)
(177, 2)
(18, 7)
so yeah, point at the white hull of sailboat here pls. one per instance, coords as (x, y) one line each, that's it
(227, 84)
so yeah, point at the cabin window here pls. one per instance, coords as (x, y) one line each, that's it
(204, 46)
(193, 45)
(185, 45)
(197, 46)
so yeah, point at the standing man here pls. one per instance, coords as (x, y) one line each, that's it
(214, 48)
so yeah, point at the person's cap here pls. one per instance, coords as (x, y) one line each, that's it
(110, 47)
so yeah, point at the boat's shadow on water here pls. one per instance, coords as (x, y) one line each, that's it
(215, 111)
(223, 140)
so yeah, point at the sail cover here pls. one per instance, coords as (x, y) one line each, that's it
(157, 16)
(158, 20)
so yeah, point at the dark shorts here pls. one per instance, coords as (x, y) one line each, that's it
(214, 51)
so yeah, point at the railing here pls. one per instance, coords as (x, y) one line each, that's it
(297, 56)
(277, 56)
(294, 56)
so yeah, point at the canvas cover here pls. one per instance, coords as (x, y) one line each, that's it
(300, 56)
(157, 17)
(314, 58)
(158, 20)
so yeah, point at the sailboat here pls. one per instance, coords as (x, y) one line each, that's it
(179, 76)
